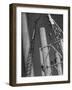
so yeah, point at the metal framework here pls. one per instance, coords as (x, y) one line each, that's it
(44, 51)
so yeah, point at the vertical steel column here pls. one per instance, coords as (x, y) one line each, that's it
(59, 64)
(26, 41)
(41, 59)
(45, 51)
(61, 42)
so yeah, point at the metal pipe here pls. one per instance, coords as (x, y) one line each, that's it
(58, 60)
(26, 41)
(45, 51)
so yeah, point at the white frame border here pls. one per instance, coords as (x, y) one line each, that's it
(64, 77)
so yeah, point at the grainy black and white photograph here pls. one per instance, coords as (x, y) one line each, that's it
(41, 44)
